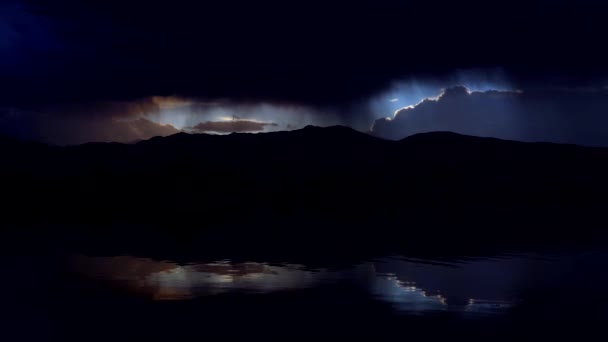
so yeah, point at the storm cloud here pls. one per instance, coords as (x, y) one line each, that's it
(578, 116)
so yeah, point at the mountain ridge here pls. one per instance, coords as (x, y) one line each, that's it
(322, 184)
(307, 131)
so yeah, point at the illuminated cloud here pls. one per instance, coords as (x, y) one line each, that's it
(229, 126)
(555, 115)
(413, 90)
(188, 113)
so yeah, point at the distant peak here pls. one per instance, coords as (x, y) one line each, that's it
(438, 136)
(311, 127)
(329, 128)
(447, 138)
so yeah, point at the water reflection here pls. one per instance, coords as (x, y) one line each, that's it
(406, 296)
(165, 280)
(486, 286)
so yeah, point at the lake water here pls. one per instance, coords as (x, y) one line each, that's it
(469, 286)
(80, 296)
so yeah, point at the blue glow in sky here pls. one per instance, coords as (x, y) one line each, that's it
(411, 92)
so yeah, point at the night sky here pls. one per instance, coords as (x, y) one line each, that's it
(76, 71)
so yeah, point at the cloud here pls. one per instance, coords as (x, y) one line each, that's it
(76, 124)
(230, 126)
(131, 120)
(577, 116)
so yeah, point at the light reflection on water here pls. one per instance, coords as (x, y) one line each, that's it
(164, 280)
(486, 286)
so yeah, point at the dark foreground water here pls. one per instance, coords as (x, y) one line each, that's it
(52, 295)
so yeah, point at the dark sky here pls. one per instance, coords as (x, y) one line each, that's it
(311, 53)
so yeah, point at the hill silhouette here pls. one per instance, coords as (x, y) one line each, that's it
(315, 186)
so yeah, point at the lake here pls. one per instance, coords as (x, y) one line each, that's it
(72, 296)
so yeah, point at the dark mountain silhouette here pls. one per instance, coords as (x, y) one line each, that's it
(314, 187)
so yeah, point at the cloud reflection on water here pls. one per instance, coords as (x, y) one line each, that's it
(164, 280)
